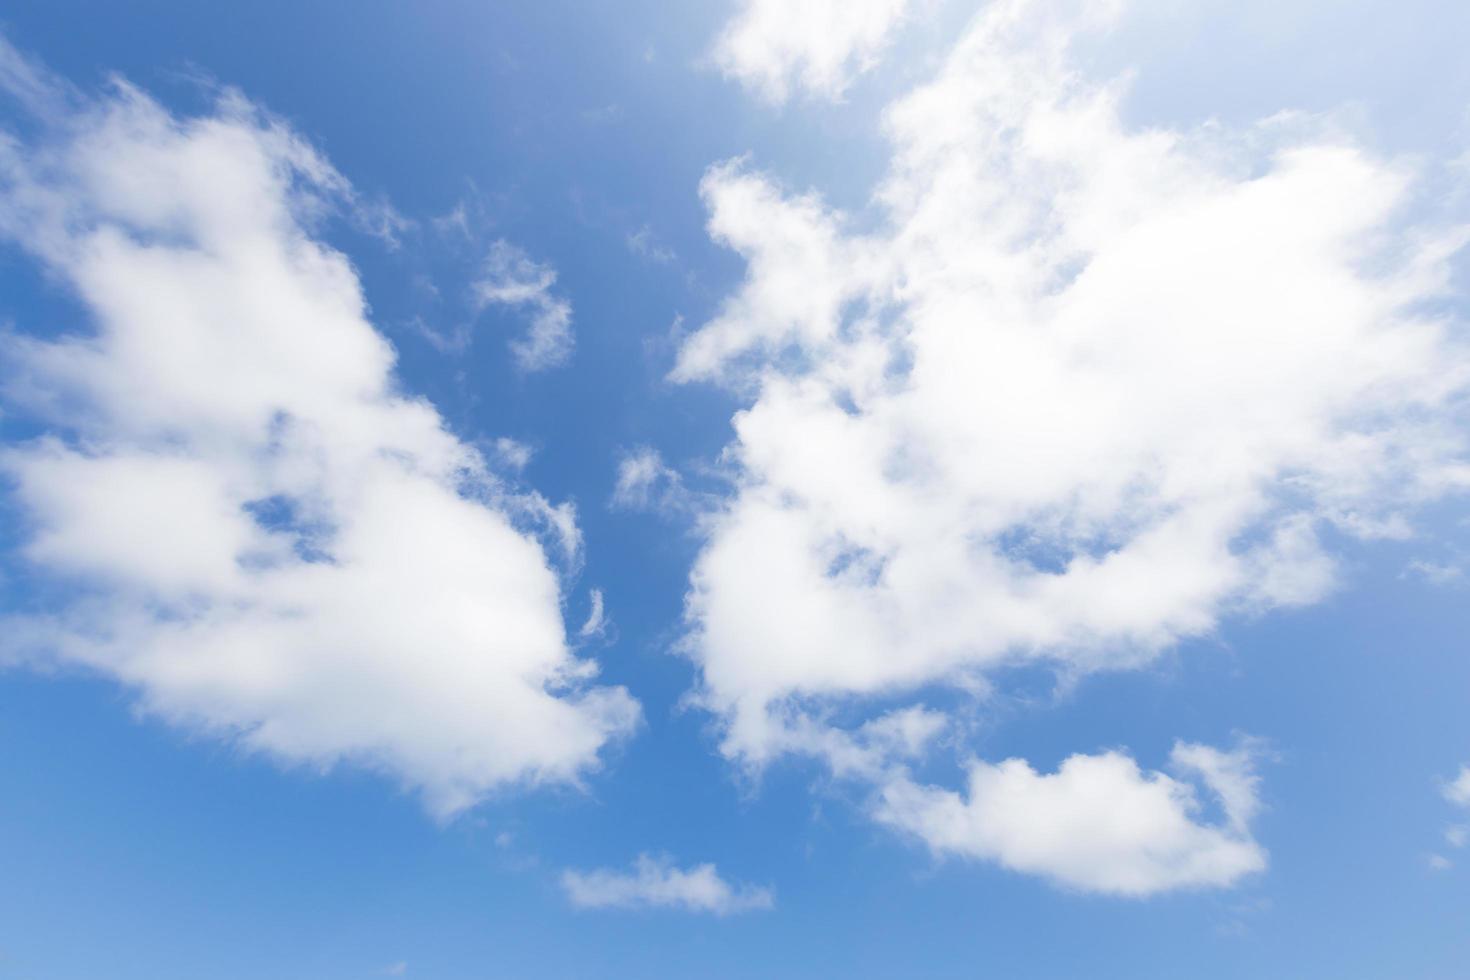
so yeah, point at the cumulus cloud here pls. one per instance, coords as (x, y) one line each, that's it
(1072, 393)
(1097, 824)
(246, 521)
(1069, 393)
(511, 278)
(655, 882)
(774, 46)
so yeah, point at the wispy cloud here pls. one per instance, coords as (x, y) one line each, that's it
(643, 244)
(511, 278)
(654, 882)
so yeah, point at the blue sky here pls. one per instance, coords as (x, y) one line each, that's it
(1018, 452)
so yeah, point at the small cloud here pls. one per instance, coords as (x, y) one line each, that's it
(453, 341)
(643, 244)
(513, 454)
(511, 278)
(646, 483)
(1098, 824)
(454, 223)
(1440, 575)
(596, 624)
(396, 969)
(381, 220)
(654, 882)
(1457, 791)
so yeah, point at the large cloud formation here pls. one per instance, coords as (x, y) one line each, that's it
(245, 520)
(1074, 392)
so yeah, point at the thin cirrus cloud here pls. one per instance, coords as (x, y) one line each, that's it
(511, 278)
(775, 47)
(1079, 392)
(258, 533)
(655, 882)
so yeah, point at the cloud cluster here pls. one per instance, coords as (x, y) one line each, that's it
(511, 278)
(655, 882)
(1073, 392)
(238, 513)
(774, 46)
(1083, 392)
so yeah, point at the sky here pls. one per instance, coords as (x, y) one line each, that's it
(880, 488)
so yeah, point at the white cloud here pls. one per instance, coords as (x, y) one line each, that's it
(1072, 393)
(258, 532)
(643, 244)
(774, 46)
(1439, 574)
(513, 454)
(511, 278)
(645, 482)
(1457, 790)
(596, 622)
(655, 882)
(1097, 824)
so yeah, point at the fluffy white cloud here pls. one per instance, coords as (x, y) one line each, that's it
(1074, 392)
(1071, 392)
(773, 46)
(249, 525)
(655, 882)
(511, 278)
(1096, 824)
